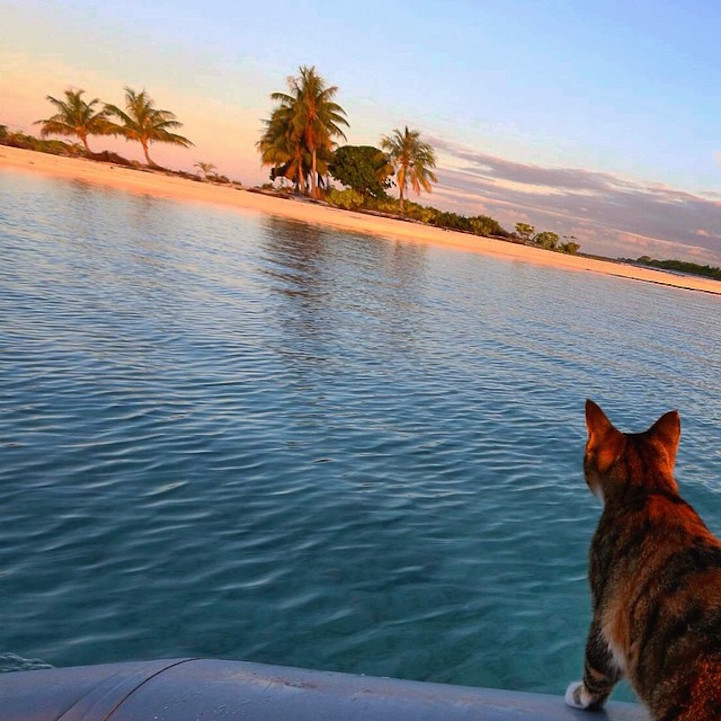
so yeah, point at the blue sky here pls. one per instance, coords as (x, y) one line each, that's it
(628, 93)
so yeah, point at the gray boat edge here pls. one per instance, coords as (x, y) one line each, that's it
(212, 689)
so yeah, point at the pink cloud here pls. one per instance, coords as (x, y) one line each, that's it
(609, 215)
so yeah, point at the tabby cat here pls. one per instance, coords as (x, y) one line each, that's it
(655, 576)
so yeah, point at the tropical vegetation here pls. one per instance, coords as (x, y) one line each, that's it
(483, 225)
(299, 144)
(525, 232)
(570, 245)
(76, 117)
(365, 169)
(413, 160)
(680, 266)
(547, 239)
(143, 122)
(30, 142)
(282, 148)
(299, 137)
(208, 170)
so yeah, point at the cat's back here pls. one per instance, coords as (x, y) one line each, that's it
(655, 573)
(658, 580)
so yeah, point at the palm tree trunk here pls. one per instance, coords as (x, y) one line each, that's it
(151, 164)
(313, 176)
(301, 175)
(84, 138)
(402, 176)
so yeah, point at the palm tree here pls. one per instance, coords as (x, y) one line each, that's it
(75, 117)
(209, 170)
(145, 123)
(281, 146)
(307, 116)
(412, 159)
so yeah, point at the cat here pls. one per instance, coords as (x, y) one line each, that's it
(655, 576)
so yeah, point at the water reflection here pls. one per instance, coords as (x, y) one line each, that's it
(294, 255)
(326, 280)
(406, 265)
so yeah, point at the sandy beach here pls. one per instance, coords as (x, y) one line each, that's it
(136, 181)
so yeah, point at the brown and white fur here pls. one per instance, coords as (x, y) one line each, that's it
(655, 576)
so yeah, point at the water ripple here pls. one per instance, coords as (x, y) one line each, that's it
(236, 436)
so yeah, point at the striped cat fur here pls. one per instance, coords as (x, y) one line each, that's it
(655, 577)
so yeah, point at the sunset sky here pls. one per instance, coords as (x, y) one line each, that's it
(601, 120)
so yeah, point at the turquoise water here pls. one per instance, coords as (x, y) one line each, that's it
(229, 435)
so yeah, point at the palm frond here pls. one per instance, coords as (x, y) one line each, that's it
(141, 121)
(304, 124)
(75, 117)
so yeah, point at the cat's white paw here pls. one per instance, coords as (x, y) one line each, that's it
(577, 696)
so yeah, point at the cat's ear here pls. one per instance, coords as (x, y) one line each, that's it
(598, 425)
(667, 430)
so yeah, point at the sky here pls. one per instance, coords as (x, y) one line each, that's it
(600, 120)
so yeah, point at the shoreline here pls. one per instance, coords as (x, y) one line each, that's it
(177, 188)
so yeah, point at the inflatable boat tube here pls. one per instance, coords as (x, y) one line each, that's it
(213, 690)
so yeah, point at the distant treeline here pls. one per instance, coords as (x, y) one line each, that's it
(76, 150)
(29, 142)
(59, 147)
(482, 225)
(478, 225)
(682, 266)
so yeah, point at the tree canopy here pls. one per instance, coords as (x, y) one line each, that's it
(547, 239)
(525, 231)
(363, 168)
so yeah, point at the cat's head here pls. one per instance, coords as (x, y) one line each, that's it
(614, 461)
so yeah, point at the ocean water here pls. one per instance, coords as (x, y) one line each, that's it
(229, 435)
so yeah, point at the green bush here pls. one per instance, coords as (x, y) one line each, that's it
(570, 247)
(484, 225)
(426, 214)
(547, 240)
(385, 205)
(452, 221)
(525, 232)
(29, 142)
(421, 213)
(348, 199)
